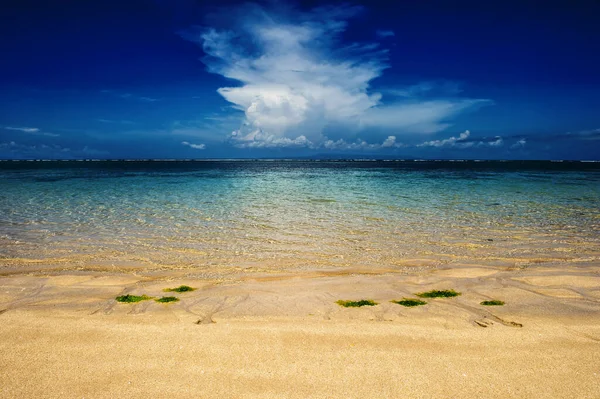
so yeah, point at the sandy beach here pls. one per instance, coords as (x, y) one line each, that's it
(283, 335)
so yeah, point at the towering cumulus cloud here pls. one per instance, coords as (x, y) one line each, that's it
(298, 79)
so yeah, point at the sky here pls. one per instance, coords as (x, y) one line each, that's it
(272, 79)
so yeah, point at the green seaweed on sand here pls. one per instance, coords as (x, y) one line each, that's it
(181, 288)
(132, 298)
(356, 304)
(493, 302)
(410, 302)
(167, 299)
(438, 294)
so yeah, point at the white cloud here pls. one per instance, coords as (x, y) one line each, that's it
(498, 142)
(23, 129)
(450, 142)
(385, 33)
(194, 146)
(519, 144)
(297, 79)
(390, 142)
(417, 117)
(359, 144)
(31, 130)
(259, 139)
(463, 141)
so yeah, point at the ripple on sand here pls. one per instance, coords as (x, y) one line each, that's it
(463, 272)
(561, 280)
(558, 292)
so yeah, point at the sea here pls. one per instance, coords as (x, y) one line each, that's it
(217, 219)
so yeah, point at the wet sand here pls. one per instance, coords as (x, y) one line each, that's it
(282, 335)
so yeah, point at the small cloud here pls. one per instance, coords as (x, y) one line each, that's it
(519, 144)
(260, 139)
(194, 146)
(148, 99)
(463, 141)
(390, 142)
(23, 129)
(385, 33)
(496, 143)
(31, 130)
(123, 122)
(359, 144)
(89, 151)
(593, 134)
(129, 96)
(459, 141)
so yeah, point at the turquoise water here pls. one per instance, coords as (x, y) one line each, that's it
(215, 218)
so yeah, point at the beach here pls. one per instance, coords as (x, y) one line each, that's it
(291, 199)
(268, 251)
(273, 336)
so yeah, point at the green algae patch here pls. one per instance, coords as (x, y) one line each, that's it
(132, 298)
(167, 299)
(356, 304)
(410, 302)
(438, 294)
(493, 302)
(181, 288)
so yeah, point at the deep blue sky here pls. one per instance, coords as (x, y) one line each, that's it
(139, 79)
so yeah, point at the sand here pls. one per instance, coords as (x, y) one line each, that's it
(283, 336)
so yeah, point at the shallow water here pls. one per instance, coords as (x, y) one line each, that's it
(215, 217)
